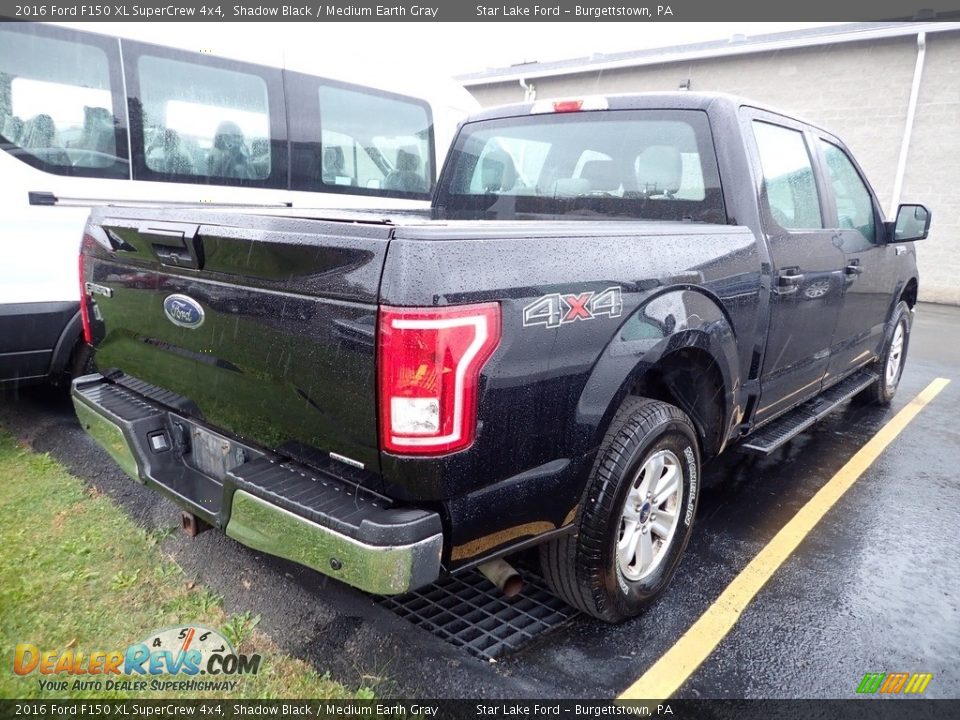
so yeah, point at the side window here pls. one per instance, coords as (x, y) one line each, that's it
(206, 123)
(788, 176)
(854, 203)
(57, 104)
(374, 141)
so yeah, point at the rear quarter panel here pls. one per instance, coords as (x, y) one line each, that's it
(548, 393)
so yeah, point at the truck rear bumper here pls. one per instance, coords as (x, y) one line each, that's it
(261, 500)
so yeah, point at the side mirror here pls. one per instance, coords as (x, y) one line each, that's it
(912, 223)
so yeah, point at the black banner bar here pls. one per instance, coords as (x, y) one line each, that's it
(479, 10)
(863, 709)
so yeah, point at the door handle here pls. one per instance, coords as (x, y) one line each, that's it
(179, 246)
(853, 268)
(789, 279)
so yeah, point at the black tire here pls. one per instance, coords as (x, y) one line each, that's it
(882, 391)
(583, 568)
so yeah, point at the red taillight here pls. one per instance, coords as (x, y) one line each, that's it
(429, 362)
(84, 311)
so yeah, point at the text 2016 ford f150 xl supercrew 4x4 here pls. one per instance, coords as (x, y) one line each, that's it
(609, 292)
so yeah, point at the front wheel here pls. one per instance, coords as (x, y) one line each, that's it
(892, 358)
(636, 515)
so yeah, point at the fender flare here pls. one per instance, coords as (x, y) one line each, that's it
(65, 345)
(898, 292)
(678, 318)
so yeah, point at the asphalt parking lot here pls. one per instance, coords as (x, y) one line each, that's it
(873, 587)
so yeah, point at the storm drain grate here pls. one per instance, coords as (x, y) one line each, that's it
(470, 612)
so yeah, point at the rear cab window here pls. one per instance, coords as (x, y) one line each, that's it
(618, 164)
(61, 101)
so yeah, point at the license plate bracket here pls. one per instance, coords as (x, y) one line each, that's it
(213, 454)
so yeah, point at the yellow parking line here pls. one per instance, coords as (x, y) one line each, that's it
(694, 646)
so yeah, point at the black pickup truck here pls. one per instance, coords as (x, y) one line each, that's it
(609, 292)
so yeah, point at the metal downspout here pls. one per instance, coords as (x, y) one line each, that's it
(908, 129)
(529, 90)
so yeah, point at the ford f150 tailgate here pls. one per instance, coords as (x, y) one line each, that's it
(266, 330)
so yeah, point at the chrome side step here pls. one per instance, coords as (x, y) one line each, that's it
(780, 431)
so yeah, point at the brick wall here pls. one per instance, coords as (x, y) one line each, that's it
(859, 91)
(933, 169)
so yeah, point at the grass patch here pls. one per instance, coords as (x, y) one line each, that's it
(75, 572)
(239, 628)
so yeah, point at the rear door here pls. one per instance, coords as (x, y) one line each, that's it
(807, 264)
(869, 277)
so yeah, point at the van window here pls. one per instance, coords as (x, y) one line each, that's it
(356, 140)
(630, 164)
(206, 123)
(385, 140)
(57, 105)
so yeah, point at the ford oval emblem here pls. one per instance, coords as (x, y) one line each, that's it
(183, 311)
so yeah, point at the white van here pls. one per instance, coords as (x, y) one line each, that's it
(89, 119)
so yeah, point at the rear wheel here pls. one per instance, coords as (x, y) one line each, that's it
(635, 518)
(890, 364)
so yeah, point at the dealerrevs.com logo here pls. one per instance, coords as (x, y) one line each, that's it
(894, 683)
(185, 653)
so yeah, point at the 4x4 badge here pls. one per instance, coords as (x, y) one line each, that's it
(555, 309)
(183, 311)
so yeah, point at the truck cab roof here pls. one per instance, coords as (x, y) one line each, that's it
(680, 100)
